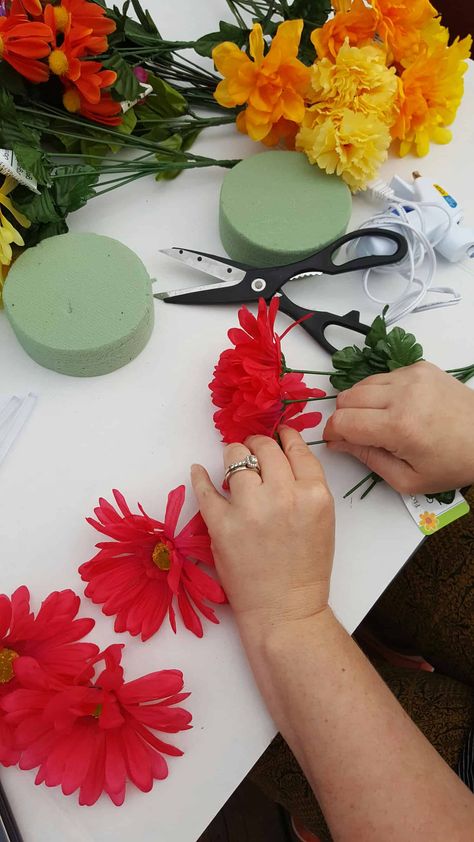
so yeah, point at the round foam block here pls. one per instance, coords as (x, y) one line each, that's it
(80, 304)
(276, 208)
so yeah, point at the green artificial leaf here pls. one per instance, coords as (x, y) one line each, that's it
(383, 351)
(129, 121)
(227, 32)
(39, 207)
(145, 19)
(378, 331)
(126, 84)
(174, 144)
(403, 349)
(39, 232)
(74, 188)
(314, 12)
(33, 160)
(165, 101)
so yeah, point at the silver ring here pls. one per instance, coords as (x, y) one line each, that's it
(250, 463)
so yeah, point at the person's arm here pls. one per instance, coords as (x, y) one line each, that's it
(413, 427)
(376, 776)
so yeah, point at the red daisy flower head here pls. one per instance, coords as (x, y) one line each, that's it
(145, 568)
(250, 385)
(95, 735)
(50, 640)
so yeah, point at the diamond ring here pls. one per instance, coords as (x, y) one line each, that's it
(250, 463)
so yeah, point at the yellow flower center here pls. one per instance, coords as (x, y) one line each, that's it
(61, 18)
(58, 62)
(7, 656)
(161, 557)
(71, 101)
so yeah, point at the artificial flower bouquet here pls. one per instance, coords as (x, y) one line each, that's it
(82, 83)
(382, 72)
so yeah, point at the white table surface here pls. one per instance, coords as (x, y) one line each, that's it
(140, 428)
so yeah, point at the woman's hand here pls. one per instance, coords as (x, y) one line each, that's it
(414, 427)
(273, 541)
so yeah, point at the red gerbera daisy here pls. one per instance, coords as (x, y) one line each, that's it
(250, 385)
(96, 735)
(145, 567)
(50, 639)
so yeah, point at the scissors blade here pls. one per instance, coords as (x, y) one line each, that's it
(206, 263)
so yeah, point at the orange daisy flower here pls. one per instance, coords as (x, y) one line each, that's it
(89, 16)
(272, 85)
(106, 111)
(357, 25)
(23, 43)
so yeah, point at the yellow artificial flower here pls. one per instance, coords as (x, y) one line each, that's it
(356, 92)
(350, 144)
(272, 85)
(358, 79)
(431, 89)
(8, 233)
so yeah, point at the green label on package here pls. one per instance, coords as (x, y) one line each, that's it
(433, 511)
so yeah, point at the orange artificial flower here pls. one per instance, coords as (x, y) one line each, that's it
(88, 16)
(23, 43)
(272, 85)
(400, 24)
(67, 43)
(431, 90)
(358, 25)
(106, 111)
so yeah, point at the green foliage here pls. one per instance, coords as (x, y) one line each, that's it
(25, 142)
(126, 85)
(227, 32)
(383, 351)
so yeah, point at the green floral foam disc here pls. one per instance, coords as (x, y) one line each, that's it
(275, 208)
(80, 304)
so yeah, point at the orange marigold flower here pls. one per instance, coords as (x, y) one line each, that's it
(357, 25)
(106, 111)
(400, 24)
(431, 90)
(272, 85)
(23, 43)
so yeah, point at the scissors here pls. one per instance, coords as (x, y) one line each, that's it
(240, 282)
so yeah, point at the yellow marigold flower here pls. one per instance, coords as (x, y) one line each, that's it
(350, 144)
(431, 90)
(272, 85)
(357, 25)
(8, 233)
(358, 79)
(400, 24)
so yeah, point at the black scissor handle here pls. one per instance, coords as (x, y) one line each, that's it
(322, 261)
(317, 321)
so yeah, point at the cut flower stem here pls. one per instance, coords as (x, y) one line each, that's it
(306, 400)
